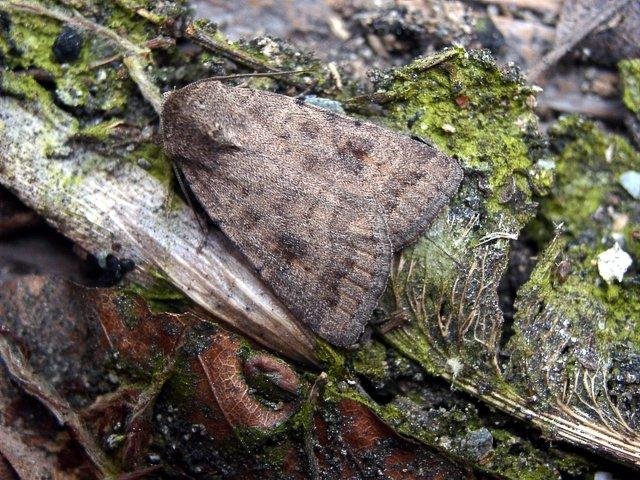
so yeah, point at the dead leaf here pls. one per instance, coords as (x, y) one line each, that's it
(98, 359)
(150, 391)
(32, 446)
(223, 367)
(356, 444)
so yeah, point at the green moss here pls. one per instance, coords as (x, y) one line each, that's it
(85, 82)
(332, 361)
(370, 361)
(150, 156)
(630, 78)
(588, 168)
(595, 211)
(471, 109)
(26, 87)
(182, 383)
(570, 323)
(161, 296)
(572, 465)
(447, 281)
(28, 42)
(526, 464)
(101, 131)
(273, 458)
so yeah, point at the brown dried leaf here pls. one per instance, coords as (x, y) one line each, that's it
(32, 446)
(181, 388)
(358, 444)
(223, 367)
(72, 335)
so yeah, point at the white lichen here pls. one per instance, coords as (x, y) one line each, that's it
(455, 365)
(613, 263)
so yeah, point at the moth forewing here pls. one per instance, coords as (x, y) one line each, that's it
(317, 202)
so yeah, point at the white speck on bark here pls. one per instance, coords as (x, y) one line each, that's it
(630, 180)
(613, 263)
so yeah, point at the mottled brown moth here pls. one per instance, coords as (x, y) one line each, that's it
(316, 201)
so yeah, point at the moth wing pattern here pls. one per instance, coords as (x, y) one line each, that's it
(329, 278)
(411, 180)
(252, 157)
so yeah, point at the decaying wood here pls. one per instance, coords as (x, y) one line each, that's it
(104, 202)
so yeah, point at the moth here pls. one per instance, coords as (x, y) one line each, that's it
(317, 202)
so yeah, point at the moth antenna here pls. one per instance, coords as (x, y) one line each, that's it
(185, 192)
(257, 74)
(420, 139)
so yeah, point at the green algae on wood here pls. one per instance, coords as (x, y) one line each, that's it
(589, 164)
(577, 338)
(630, 79)
(447, 281)
(446, 284)
(28, 43)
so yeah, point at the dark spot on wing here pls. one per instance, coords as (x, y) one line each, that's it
(354, 154)
(335, 275)
(292, 246)
(349, 162)
(251, 217)
(309, 129)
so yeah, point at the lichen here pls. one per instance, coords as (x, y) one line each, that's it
(446, 283)
(370, 361)
(467, 106)
(589, 164)
(28, 44)
(100, 131)
(27, 88)
(150, 157)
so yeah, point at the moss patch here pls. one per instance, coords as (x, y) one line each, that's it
(465, 104)
(630, 78)
(577, 338)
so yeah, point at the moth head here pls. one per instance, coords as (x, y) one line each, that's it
(191, 127)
